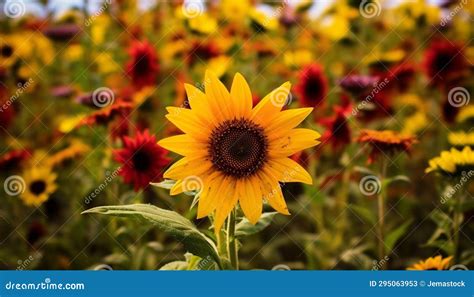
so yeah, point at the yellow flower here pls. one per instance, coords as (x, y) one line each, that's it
(236, 153)
(461, 138)
(203, 23)
(76, 149)
(453, 161)
(298, 58)
(415, 123)
(432, 263)
(40, 184)
(235, 10)
(465, 114)
(262, 21)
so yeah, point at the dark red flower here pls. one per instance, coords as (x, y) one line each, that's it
(13, 159)
(444, 61)
(106, 114)
(312, 86)
(202, 51)
(64, 32)
(401, 76)
(338, 132)
(143, 64)
(142, 160)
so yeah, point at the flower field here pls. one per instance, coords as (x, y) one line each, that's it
(225, 135)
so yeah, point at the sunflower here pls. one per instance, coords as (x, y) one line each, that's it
(432, 263)
(142, 160)
(452, 162)
(386, 142)
(461, 139)
(39, 185)
(236, 153)
(312, 86)
(466, 114)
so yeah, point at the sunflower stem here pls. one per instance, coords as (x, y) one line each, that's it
(231, 241)
(381, 215)
(457, 221)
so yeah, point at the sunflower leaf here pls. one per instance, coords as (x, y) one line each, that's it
(245, 228)
(168, 221)
(166, 184)
(396, 234)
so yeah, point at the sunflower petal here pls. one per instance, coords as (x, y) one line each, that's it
(287, 120)
(187, 167)
(241, 96)
(226, 204)
(287, 171)
(209, 197)
(295, 141)
(269, 107)
(184, 145)
(218, 97)
(250, 200)
(271, 192)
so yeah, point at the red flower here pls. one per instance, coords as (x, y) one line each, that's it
(444, 62)
(338, 132)
(312, 86)
(401, 76)
(13, 159)
(143, 64)
(142, 160)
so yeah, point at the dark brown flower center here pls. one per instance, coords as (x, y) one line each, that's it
(238, 148)
(6, 51)
(38, 187)
(141, 160)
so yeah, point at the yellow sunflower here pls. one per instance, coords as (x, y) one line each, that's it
(432, 263)
(236, 153)
(453, 161)
(461, 138)
(39, 185)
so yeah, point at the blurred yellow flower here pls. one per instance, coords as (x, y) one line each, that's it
(453, 161)
(461, 138)
(203, 23)
(39, 185)
(298, 58)
(432, 263)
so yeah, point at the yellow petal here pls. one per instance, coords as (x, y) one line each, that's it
(187, 167)
(269, 107)
(287, 170)
(287, 120)
(210, 197)
(226, 203)
(295, 141)
(250, 200)
(271, 192)
(187, 122)
(218, 97)
(184, 145)
(241, 96)
(198, 102)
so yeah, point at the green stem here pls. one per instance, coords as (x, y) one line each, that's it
(457, 221)
(232, 242)
(381, 217)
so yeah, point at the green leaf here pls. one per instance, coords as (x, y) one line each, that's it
(396, 178)
(168, 221)
(245, 228)
(396, 234)
(166, 184)
(367, 214)
(363, 170)
(175, 265)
